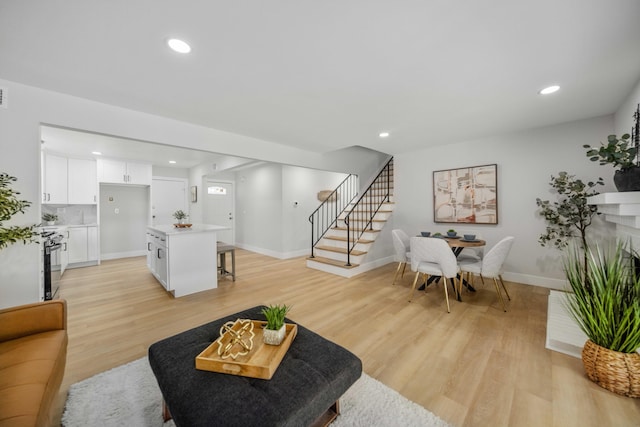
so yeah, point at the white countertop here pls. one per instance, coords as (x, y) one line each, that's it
(195, 228)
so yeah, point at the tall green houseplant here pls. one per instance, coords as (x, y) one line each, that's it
(11, 205)
(569, 216)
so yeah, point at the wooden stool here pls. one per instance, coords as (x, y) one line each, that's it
(223, 249)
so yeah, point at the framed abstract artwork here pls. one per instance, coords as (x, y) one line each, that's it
(466, 195)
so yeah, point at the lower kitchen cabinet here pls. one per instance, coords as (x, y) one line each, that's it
(83, 244)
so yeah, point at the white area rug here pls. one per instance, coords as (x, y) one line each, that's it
(129, 396)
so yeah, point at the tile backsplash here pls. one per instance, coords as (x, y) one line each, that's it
(73, 214)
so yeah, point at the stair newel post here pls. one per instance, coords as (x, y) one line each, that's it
(312, 227)
(348, 241)
(388, 181)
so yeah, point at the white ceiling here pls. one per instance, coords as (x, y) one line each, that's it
(323, 75)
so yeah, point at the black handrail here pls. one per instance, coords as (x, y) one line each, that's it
(367, 206)
(326, 216)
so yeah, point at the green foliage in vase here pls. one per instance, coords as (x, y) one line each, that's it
(619, 152)
(49, 217)
(179, 214)
(606, 297)
(275, 315)
(9, 206)
(570, 215)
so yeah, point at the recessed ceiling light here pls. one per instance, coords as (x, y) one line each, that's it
(179, 45)
(549, 90)
(172, 161)
(97, 153)
(383, 134)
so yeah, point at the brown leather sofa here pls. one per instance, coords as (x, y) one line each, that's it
(33, 354)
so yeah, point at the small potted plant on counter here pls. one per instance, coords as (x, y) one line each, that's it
(49, 218)
(180, 216)
(274, 330)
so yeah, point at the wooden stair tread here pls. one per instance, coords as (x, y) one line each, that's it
(356, 229)
(333, 262)
(365, 220)
(344, 239)
(339, 250)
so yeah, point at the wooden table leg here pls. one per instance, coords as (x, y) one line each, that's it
(166, 415)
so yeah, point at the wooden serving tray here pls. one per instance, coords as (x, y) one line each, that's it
(261, 362)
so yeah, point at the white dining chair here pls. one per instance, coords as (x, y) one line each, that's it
(490, 266)
(401, 246)
(433, 257)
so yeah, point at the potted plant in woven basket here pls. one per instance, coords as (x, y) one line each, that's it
(606, 304)
(274, 330)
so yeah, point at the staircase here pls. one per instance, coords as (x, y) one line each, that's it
(341, 246)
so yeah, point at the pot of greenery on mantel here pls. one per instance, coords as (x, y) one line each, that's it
(605, 301)
(9, 206)
(621, 153)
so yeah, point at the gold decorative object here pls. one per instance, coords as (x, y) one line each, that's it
(236, 339)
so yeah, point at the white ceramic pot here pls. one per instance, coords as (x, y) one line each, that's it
(51, 222)
(271, 337)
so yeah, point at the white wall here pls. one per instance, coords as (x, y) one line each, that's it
(170, 172)
(123, 234)
(259, 208)
(267, 219)
(302, 185)
(624, 115)
(526, 161)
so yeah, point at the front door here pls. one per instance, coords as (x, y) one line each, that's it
(219, 208)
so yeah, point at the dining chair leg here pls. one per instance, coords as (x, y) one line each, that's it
(446, 295)
(413, 287)
(504, 287)
(404, 267)
(499, 294)
(397, 271)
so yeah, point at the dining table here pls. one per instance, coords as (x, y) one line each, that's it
(457, 244)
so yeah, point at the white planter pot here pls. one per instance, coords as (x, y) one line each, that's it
(272, 337)
(51, 222)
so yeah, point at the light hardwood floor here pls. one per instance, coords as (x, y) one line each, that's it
(477, 366)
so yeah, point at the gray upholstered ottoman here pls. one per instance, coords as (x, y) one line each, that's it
(312, 376)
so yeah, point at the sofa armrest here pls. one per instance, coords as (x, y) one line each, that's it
(23, 320)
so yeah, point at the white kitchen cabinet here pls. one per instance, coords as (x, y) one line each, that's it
(83, 244)
(121, 172)
(93, 248)
(54, 179)
(83, 182)
(78, 245)
(157, 261)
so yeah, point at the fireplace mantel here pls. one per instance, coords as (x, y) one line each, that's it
(623, 210)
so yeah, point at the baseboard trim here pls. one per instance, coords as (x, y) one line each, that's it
(118, 255)
(274, 254)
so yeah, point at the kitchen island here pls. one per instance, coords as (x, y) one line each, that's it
(184, 260)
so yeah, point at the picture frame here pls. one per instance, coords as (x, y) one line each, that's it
(466, 195)
(194, 194)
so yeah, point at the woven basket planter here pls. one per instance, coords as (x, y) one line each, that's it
(615, 371)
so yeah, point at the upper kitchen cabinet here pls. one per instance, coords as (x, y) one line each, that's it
(54, 179)
(121, 172)
(83, 182)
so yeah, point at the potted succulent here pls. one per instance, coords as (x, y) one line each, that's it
(274, 330)
(621, 153)
(49, 218)
(451, 232)
(605, 301)
(180, 216)
(9, 206)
